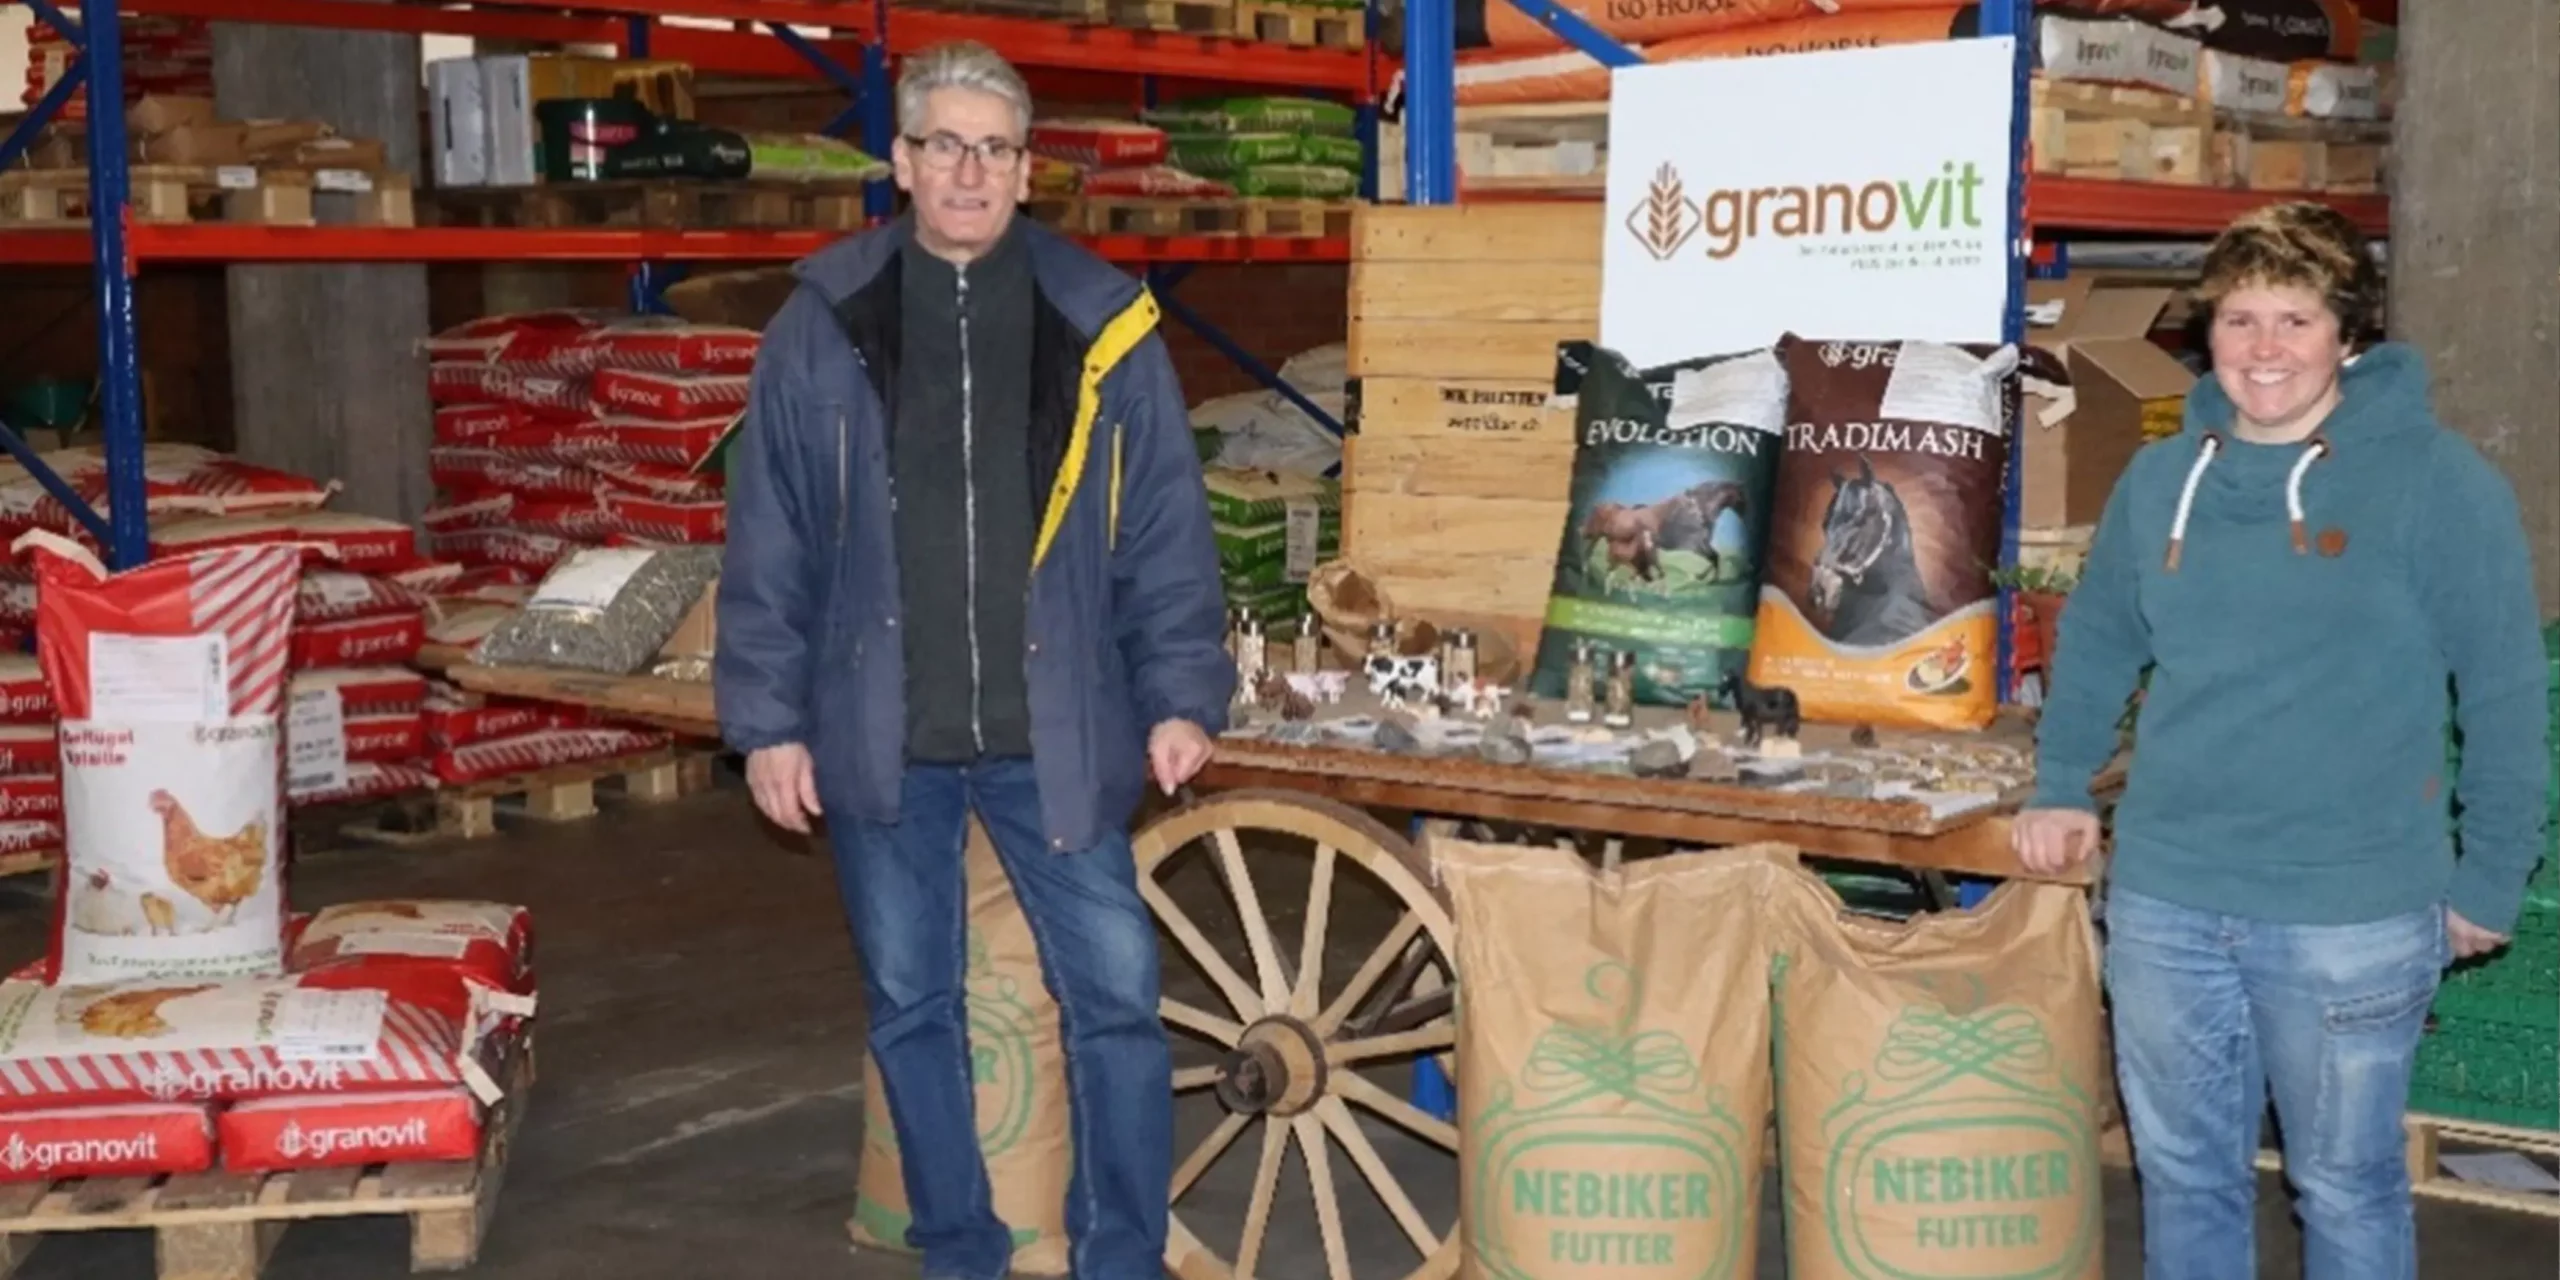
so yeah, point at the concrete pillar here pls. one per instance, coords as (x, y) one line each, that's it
(326, 377)
(2475, 237)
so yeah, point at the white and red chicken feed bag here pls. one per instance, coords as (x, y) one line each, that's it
(170, 682)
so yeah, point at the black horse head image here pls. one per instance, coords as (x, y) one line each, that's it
(1866, 578)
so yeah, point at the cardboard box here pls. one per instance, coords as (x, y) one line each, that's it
(2124, 390)
(513, 83)
(699, 633)
(458, 122)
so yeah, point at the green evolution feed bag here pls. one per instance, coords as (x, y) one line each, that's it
(1673, 468)
(1613, 1062)
(1254, 114)
(1020, 1070)
(1939, 1086)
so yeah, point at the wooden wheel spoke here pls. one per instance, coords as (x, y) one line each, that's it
(1190, 1078)
(1337, 1252)
(1366, 976)
(1266, 1188)
(1424, 1039)
(1257, 926)
(1308, 989)
(1345, 1129)
(1207, 1153)
(1404, 1115)
(1221, 974)
(1200, 1021)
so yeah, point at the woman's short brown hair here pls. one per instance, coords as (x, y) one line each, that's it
(2300, 243)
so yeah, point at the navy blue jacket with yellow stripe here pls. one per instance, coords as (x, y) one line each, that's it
(1125, 626)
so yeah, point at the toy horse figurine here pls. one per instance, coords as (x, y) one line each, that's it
(1762, 710)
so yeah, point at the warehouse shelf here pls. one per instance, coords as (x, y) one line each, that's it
(201, 242)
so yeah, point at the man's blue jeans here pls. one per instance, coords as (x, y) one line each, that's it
(2212, 1013)
(905, 892)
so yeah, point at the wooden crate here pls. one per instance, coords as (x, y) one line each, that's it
(667, 205)
(1455, 481)
(2119, 133)
(1301, 25)
(33, 198)
(1184, 17)
(222, 1226)
(1542, 148)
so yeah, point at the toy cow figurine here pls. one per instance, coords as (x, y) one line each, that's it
(1761, 709)
(1402, 682)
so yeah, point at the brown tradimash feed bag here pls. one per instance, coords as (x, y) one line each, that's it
(1020, 1069)
(1877, 603)
(1938, 1086)
(1613, 1066)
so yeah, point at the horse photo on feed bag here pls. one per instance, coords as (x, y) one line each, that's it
(1661, 548)
(1877, 603)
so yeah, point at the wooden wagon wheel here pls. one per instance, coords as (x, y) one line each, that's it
(1290, 1047)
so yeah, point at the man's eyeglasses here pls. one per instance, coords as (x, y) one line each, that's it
(943, 151)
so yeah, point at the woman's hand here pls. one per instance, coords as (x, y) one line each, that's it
(2469, 939)
(2049, 840)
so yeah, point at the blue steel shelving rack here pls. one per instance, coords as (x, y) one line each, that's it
(1053, 54)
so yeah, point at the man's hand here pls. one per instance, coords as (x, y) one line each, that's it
(2048, 840)
(2469, 939)
(1176, 751)
(785, 783)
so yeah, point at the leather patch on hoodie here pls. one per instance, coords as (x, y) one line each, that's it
(2332, 542)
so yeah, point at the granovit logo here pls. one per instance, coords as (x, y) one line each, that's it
(1669, 216)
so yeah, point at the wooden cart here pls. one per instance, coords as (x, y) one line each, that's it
(1269, 1024)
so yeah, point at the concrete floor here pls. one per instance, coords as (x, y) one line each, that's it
(698, 1112)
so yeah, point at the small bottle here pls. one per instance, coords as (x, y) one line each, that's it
(1307, 647)
(1382, 639)
(1235, 617)
(1621, 709)
(1577, 684)
(1250, 655)
(1458, 662)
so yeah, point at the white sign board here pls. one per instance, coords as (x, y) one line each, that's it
(1857, 194)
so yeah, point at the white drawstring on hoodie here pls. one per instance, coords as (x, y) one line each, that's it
(2292, 495)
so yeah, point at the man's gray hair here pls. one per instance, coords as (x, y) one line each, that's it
(959, 64)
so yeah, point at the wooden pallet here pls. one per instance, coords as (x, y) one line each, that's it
(2119, 133)
(561, 793)
(1150, 216)
(1184, 17)
(1529, 148)
(1093, 12)
(1291, 24)
(2429, 1135)
(670, 205)
(222, 1226)
(29, 862)
(33, 198)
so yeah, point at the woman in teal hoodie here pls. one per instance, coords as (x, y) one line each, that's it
(2301, 569)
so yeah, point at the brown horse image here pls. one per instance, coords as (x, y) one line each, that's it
(1686, 521)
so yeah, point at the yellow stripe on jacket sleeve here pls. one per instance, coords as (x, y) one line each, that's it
(1116, 431)
(1117, 340)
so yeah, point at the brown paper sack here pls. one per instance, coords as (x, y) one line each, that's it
(1938, 1087)
(1020, 1069)
(1613, 1062)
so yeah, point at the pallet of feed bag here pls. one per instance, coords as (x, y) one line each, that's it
(217, 1225)
(563, 792)
(162, 193)
(1528, 148)
(1095, 12)
(1185, 17)
(1310, 26)
(1141, 216)
(1455, 473)
(2119, 133)
(667, 205)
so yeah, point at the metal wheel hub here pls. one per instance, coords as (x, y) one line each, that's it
(1277, 1068)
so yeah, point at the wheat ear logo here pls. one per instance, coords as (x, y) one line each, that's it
(1666, 218)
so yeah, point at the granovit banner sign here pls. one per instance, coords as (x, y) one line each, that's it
(1855, 194)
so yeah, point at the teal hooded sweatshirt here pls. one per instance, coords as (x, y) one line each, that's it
(2301, 607)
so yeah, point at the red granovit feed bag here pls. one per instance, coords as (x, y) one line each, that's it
(641, 516)
(188, 1040)
(30, 797)
(331, 595)
(24, 699)
(29, 748)
(477, 511)
(473, 423)
(580, 519)
(337, 1130)
(455, 718)
(363, 544)
(177, 479)
(506, 756)
(367, 780)
(675, 396)
(133, 1140)
(550, 341)
(460, 383)
(1100, 144)
(30, 835)
(488, 942)
(540, 394)
(513, 548)
(477, 471)
(386, 739)
(171, 682)
(680, 442)
(662, 342)
(674, 484)
(429, 576)
(366, 691)
(387, 639)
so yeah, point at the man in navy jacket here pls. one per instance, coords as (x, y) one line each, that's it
(970, 568)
